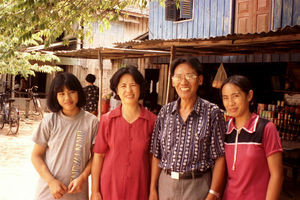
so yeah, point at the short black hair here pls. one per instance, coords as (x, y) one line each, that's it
(135, 73)
(71, 82)
(90, 78)
(243, 83)
(192, 61)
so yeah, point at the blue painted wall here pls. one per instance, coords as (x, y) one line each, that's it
(286, 13)
(211, 18)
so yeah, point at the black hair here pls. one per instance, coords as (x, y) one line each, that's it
(192, 61)
(90, 78)
(135, 73)
(57, 85)
(195, 64)
(243, 83)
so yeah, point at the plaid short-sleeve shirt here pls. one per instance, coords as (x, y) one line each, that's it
(191, 145)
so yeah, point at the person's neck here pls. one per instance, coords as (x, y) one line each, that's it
(90, 83)
(242, 120)
(71, 113)
(186, 107)
(130, 112)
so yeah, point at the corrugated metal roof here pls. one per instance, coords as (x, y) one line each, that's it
(283, 40)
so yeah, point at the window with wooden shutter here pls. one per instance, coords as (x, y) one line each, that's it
(171, 12)
(184, 12)
(186, 9)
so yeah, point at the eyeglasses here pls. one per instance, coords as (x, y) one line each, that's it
(188, 77)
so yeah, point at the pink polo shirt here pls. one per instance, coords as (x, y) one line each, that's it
(246, 158)
(126, 169)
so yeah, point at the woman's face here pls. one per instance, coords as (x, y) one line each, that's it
(186, 81)
(128, 90)
(236, 101)
(68, 100)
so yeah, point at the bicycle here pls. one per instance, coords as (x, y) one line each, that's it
(33, 96)
(9, 114)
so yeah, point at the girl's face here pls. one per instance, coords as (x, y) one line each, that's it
(68, 100)
(186, 81)
(236, 101)
(128, 90)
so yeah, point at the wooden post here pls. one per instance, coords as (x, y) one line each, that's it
(172, 53)
(100, 83)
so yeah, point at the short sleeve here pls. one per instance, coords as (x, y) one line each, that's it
(95, 130)
(155, 140)
(101, 144)
(218, 129)
(41, 134)
(271, 141)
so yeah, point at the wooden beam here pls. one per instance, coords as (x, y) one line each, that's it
(100, 83)
(172, 53)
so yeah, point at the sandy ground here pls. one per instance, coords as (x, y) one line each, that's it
(17, 175)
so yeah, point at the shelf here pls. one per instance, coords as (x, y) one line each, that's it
(287, 91)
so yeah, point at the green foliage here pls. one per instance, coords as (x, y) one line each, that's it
(25, 23)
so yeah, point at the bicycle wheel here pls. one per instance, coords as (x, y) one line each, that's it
(14, 120)
(37, 107)
(2, 117)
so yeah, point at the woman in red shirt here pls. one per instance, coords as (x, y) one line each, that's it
(253, 149)
(121, 163)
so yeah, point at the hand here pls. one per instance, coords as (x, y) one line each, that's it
(76, 185)
(96, 196)
(153, 195)
(211, 197)
(57, 189)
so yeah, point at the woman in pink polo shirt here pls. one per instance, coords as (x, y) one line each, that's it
(253, 149)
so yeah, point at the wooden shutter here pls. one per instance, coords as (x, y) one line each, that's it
(243, 16)
(262, 10)
(252, 16)
(186, 9)
(170, 10)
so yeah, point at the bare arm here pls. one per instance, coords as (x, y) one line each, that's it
(218, 177)
(57, 188)
(276, 176)
(96, 173)
(155, 172)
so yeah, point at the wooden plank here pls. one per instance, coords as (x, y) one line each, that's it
(172, 52)
(296, 13)
(287, 12)
(267, 58)
(275, 57)
(225, 59)
(220, 17)
(258, 58)
(284, 57)
(295, 57)
(250, 58)
(201, 8)
(241, 59)
(211, 59)
(213, 18)
(261, 22)
(206, 19)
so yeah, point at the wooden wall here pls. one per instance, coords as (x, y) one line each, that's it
(211, 18)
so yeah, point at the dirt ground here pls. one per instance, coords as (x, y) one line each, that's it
(17, 176)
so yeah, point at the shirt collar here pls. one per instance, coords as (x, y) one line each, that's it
(118, 112)
(250, 125)
(196, 108)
